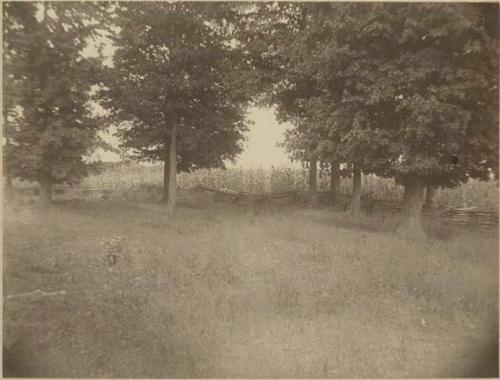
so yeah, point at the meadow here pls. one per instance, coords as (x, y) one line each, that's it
(475, 193)
(227, 291)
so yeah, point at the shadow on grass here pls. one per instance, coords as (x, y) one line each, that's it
(486, 361)
(434, 229)
(13, 362)
(361, 223)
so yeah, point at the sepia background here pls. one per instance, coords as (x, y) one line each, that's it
(252, 189)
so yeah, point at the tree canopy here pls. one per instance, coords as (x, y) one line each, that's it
(173, 61)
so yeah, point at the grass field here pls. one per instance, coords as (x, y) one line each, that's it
(137, 177)
(222, 291)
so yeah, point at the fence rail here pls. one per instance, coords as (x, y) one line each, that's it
(469, 216)
(462, 216)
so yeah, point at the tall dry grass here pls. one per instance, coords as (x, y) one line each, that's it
(227, 292)
(483, 194)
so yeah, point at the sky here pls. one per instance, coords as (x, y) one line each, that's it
(260, 147)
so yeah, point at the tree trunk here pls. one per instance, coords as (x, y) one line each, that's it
(356, 190)
(166, 175)
(9, 190)
(334, 178)
(313, 174)
(45, 192)
(172, 169)
(430, 193)
(411, 214)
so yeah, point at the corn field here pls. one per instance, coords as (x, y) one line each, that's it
(261, 180)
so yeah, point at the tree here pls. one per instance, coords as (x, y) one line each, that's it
(400, 90)
(405, 90)
(285, 52)
(301, 146)
(49, 126)
(430, 192)
(336, 112)
(174, 89)
(334, 178)
(442, 91)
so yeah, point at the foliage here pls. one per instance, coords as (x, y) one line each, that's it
(405, 89)
(273, 37)
(173, 64)
(48, 126)
(408, 91)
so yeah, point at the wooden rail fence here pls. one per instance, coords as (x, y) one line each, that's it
(462, 216)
